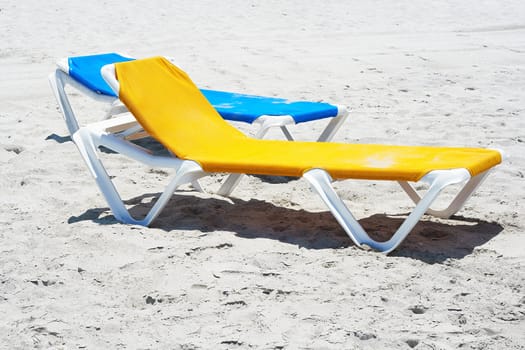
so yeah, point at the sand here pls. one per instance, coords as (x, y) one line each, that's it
(269, 268)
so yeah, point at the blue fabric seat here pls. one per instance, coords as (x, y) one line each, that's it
(247, 108)
(231, 106)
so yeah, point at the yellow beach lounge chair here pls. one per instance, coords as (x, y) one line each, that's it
(172, 110)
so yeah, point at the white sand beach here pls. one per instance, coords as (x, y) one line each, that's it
(270, 267)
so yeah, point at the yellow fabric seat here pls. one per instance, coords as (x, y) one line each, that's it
(171, 108)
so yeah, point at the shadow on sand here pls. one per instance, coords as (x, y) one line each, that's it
(431, 241)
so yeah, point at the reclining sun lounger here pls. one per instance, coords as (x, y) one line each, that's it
(83, 73)
(174, 111)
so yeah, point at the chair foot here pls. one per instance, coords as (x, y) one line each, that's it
(229, 184)
(456, 204)
(88, 141)
(320, 181)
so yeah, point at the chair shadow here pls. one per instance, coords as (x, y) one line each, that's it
(431, 241)
(59, 139)
(434, 240)
(276, 179)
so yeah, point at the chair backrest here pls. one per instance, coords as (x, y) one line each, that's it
(170, 107)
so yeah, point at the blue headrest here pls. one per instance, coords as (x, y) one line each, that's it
(86, 70)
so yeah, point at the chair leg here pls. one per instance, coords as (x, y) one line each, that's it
(56, 80)
(116, 108)
(267, 122)
(334, 125)
(320, 181)
(189, 171)
(229, 184)
(456, 204)
(287, 133)
(186, 171)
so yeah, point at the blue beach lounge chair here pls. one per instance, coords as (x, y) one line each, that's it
(174, 111)
(83, 73)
